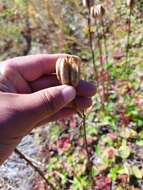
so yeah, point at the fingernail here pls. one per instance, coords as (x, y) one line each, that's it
(69, 93)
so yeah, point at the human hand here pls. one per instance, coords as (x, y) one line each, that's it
(30, 95)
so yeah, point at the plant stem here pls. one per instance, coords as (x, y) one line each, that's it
(21, 155)
(101, 65)
(128, 40)
(85, 136)
(91, 44)
(106, 55)
(105, 41)
(89, 163)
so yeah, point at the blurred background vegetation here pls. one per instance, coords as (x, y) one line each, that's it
(115, 133)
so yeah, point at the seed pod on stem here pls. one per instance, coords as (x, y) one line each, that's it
(131, 4)
(97, 12)
(87, 3)
(68, 70)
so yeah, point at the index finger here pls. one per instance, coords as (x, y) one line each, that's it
(32, 67)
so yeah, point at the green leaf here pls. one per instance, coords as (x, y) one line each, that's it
(98, 150)
(124, 170)
(108, 65)
(62, 176)
(94, 171)
(110, 107)
(124, 150)
(140, 143)
(76, 184)
(137, 172)
(80, 183)
(20, 2)
(128, 133)
(114, 172)
(119, 188)
(91, 130)
(139, 122)
(141, 135)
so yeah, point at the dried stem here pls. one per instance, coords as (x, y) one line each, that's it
(106, 54)
(85, 136)
(91, 44)
(101, 64)
(105, 41)
(26, 32)
(128, 40)
(21, 155)
(89, 163)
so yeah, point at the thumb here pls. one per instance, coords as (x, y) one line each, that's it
(44, 103)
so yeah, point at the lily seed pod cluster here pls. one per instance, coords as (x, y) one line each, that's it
(97, 12)
(68, 70)
(131, 3)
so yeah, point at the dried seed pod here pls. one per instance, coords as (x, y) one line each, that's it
(97, 11)
(68, 70)
(131, 3)
(87, 3)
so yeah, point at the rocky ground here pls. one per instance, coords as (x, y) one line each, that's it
(15, 174)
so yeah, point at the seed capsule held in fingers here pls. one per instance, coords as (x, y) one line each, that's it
(68, 70)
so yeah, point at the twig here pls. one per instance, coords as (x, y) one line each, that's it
(21, 155)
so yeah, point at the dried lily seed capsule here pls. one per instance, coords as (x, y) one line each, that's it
(92, 11)
(97, 11)
(87, 3)
(68, 70)
(131, 3)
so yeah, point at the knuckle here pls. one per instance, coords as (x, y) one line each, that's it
(7, 69)
(7, 76)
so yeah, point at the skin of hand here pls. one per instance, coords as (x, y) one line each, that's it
(30, 95)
